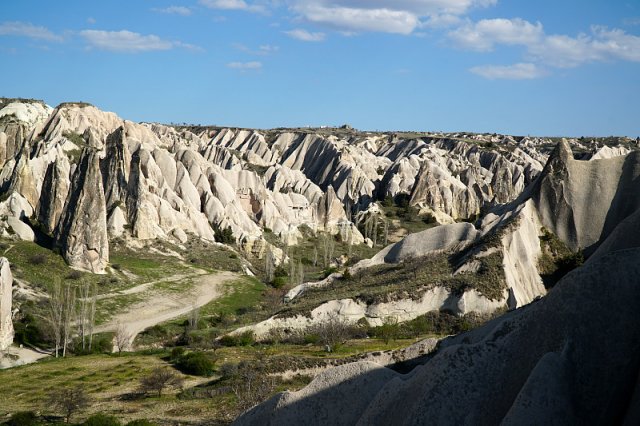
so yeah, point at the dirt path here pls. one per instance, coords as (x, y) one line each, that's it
(145, 286)
(164, 307)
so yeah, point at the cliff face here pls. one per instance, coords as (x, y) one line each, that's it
(165, 182)
(6, 297)
(561, 360)
(564, 359)
(81, 232)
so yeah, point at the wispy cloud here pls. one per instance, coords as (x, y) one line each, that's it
(263, 50)
(130, 42)
(233, 5)
(485, 34)
(174, 10)
(304, 35)
(520, 71)
(245, 66)
(91, 21)
(26, 29)
(560, 51)
(389, 16)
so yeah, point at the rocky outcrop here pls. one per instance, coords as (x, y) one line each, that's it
(6, 298)
(81, 233)
(562, 360)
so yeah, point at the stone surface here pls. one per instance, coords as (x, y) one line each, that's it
(6, 298)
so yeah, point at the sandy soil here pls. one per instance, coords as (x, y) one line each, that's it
(15, 356)
(164, 307)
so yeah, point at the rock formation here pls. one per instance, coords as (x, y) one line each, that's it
(81, 233)
(565, 359)
(6, 297)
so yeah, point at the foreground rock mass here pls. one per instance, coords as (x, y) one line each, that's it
(6, 298)
(570, 358)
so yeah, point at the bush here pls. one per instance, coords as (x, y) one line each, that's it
(101, 344)
(28, 331)
(279, 282)
(102, 420)
(176, 353)
(23, 418)
(196, 364)
(244, 339)
(141, 422)
(224, 236)
(38, 259)
(74, 275)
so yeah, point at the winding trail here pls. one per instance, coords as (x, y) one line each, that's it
(165, 306)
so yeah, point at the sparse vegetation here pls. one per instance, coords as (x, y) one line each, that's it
(557, 259)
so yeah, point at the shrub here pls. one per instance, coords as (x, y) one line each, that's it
(74, 275)
(102, 420)
(244, 339)
(279, 282)
(23, 418)
(38, 259)
(158, 380)
(196, 364)
(176, 353)
(141, 422)
(224, 236)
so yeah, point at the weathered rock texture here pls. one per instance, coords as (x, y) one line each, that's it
(570, 358)
(82, 230)
(6, 298)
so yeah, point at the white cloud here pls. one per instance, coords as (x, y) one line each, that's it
(233, 5)
(91, 21)
(130, 42)
(560, 51)
(174, 10)
(602, 45)
(389, 16)
(245, 66)
(26, 29)
(263, 50)
(520, 71)
(304, 35)
(485, 34)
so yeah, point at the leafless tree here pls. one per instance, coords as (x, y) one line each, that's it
(328, 246)
(86, 313)
(55, 313)
(269, 265)
(194, 315)
(332, 332)
(68, 317)
(160, 379)
(250, 384)
(122, 337)
(69, 401)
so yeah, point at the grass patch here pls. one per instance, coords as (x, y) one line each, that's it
(408, 280)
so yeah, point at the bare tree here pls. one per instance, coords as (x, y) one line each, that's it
(69, 316)
(270, 265)
(332, 332)
(69, 401)
(194, 315)
(300, 273)
(328, 246)
(386, 232)
(86, 313)
(160, 379)
(55, 313)
(122, 337)
(250, 384)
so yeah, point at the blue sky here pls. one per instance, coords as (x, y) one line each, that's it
(511, 66)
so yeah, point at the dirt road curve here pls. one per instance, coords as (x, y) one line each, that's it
(163, 307)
